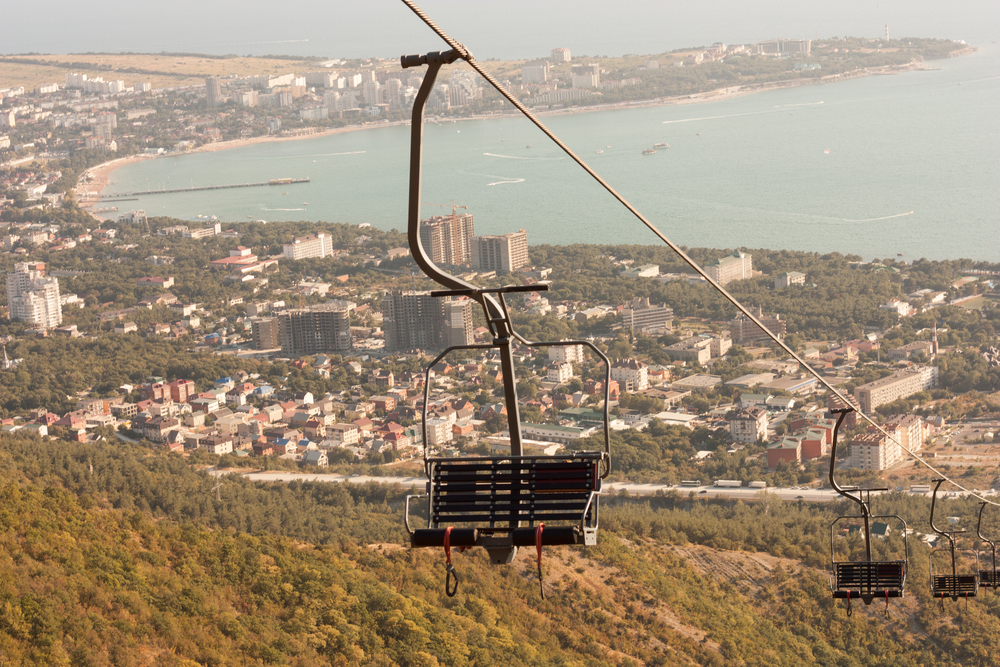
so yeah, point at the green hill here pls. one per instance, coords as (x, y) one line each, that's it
(113, 555)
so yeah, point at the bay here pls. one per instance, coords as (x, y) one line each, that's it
(874, 166)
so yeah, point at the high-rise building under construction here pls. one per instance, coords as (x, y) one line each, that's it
(447, 239)
(321, 328)
(417, 320)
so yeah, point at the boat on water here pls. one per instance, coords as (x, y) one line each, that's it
(598, 151)
(305, 203)
(649, 151)
(661, 145)
(528, 146)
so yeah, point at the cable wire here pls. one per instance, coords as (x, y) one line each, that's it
(467, 56)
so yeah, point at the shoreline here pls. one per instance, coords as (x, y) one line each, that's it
(101, 174)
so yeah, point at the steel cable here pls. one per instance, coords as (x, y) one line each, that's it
(467, 56)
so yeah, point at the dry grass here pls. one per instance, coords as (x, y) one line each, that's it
(162, 71)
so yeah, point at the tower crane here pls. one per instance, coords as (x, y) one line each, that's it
(454, 208)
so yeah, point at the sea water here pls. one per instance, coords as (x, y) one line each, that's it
(873, 166)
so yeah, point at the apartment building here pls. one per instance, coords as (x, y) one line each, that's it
(416, 320)
(34, 297)
(743, 331)
(911, 430)
(640, 315)
(748, 424)
(899, 385)
(505, 253)
(586, 76)
(265, 333)
(872, 450)
(559, 372)
(571, 353)
(313, 245)
(535, 72)
(737, 266)
(213, 92)
(447, 239)
(322, 328)
(630, 374)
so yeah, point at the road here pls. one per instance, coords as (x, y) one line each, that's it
(708, 491)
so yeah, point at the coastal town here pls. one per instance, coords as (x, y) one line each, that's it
(358, 342)
(97, 118)
(340, 305)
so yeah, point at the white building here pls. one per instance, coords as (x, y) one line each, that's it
(641, 316)
(737, 266)
(561, 55)
(901, 308)
(630, 374)
(899, 385)
(560, 371)
(571, 353)
(789, 278)
(748, 425)
(439, 431)
(643, 271)
(314, 245)
(535, 72)
(586, 76)
(34, 297)
(343, 434)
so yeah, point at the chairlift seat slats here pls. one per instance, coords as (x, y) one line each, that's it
(868, 580)
(955, 585)
(502, 493)
(989, 578)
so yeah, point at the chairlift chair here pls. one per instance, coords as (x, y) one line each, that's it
(988, 578)
(506, 501)
(952, 585)
(867, 579)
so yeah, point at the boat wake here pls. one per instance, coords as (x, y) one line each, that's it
(732, 115)
(884, 217)
(515, 157)
(513, 180)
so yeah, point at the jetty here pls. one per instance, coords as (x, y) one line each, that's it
(273, 181)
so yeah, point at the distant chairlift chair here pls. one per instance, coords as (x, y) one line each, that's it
(866, 579)
(953, 585)
(510, 500)
(987, 578)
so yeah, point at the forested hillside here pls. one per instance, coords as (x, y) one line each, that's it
(117, 555)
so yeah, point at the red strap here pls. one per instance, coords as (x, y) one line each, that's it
(538, 542)
(538, 548)
(447, 545)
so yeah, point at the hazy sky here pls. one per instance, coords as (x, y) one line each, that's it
(498, 29)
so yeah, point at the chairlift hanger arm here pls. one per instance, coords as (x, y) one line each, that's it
(845, 492)
(950, 534)
(979, 526)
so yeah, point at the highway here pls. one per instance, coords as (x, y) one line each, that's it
(610, 488)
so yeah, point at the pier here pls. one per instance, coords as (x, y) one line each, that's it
(273, 181)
